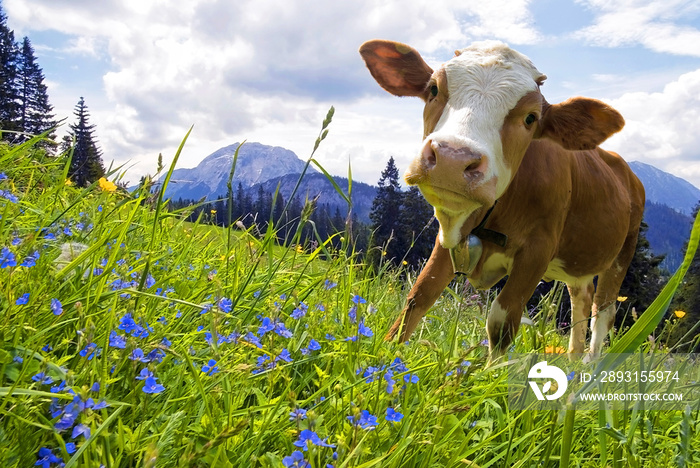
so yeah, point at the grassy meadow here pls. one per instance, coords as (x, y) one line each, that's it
(132, 338)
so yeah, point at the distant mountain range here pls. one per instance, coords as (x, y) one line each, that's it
(670, 199)
(666, 189)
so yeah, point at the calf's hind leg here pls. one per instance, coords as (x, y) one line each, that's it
(604, 305)
(581, 298)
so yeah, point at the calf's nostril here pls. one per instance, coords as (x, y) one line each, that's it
(429, 155)
(473, 166)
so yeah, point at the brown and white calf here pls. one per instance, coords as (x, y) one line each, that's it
(570, 210)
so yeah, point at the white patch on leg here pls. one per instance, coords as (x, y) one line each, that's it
(495, 321)
(580, 311)
(600, 328)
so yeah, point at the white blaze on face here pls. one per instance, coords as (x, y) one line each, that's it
(485, 82)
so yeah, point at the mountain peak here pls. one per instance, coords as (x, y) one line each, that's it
(256, 164)
(667, 189)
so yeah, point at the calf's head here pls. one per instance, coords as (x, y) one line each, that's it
(482, 110)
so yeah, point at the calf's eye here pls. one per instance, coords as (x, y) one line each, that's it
(530, 119)
(434, 90)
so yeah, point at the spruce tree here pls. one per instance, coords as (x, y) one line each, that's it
(686, 305)
(34, 115)
(418, 227)
(8, 79)
(642, 281)
(384, 216)
(86, 164)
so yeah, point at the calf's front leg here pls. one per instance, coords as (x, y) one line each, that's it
(431, 282)
(507, 309)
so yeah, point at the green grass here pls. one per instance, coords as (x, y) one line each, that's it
(198, 293)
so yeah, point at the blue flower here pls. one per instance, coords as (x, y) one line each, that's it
(47, 458)
(30, 260)
(297, 415)
(56, 307)
(295, 460)
(155, 355)
(9, 196)
(364, 330)
(116, 340)
(307, 435)
(46, 348)
(100, 405)
(210, 368)
(70, 448)
(138, 356)
(59, 387)
(314, 345)
(23, 299)
(284, 356)
(81, 429)
(127, 323)
(95, 387)
(42, 378)
(150, 281)
(298, 313)
(152, 386)
(144, 374)
(330, 337)
(328, 285)
(393, 415)
(266, 326)
(390, 382)
(357, 299)
(252, 339)
(90, 351)
(364, 420)
(225, 304)
(7, 258)
(352, 314)
(412, 378)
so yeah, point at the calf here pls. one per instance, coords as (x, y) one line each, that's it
(519, 187)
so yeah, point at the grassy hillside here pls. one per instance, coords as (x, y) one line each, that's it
(131, 338)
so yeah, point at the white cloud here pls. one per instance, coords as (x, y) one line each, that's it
(662, 127)
(659, 25)
(233, 68)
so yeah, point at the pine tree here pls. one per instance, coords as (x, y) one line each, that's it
(8, 79)
(418, 227)
(384, 215)
(34, 109)
(687, 301)
(86, 164)
(643, 280)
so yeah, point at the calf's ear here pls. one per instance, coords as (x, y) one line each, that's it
(579, 123)
(398, 68)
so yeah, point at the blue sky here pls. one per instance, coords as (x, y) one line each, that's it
(268, 70)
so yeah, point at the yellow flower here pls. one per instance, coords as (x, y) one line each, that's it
(106, 185)
(621, 298)
(384, 253)
(213, 212)
(68, 182)
(405, 262)
(679, 313)
(553, 350)
(300, 249)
